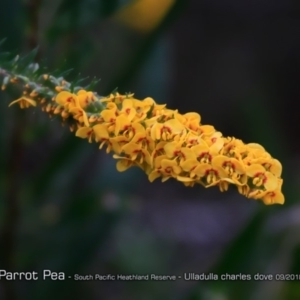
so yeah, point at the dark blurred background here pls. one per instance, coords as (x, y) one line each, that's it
(64, 207)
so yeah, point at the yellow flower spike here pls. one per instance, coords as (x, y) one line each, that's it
(261, 177)
(165, 143)
(24, 102)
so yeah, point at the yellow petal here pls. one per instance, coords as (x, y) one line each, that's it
(83, 132)
(123, 164)
(189, 164)
(254, 169)
(201, 169)
(276, 168)
(275, 197)
(175, 125)
(200, 149)
(121, 123)
(216, 146)
(188, 153)
(109, 116)
(184, 179)
(272, 182)
(207, 129)
(138, 128)
(131, 149)
(154, 175)
(170, 148)
(65, 97)
(100, 131)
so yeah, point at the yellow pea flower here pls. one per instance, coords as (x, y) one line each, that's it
(142, 108)
(24, 102)
(274, 196)
(234, 169)
(101, 135)
(204, 153)
(80, 115)
(143, 138)
(210, 175)
(85, 133)
(232, 147)
(174, 150)
(261, 177)
(189, 166)
(165, 143)
(85, 98)
(164, 167)
(67, 100)
(123, 163)
(272, 165)
(137, 152)
(167, 130)
(128, 109)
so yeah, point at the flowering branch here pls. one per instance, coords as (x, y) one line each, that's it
(142, 133)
